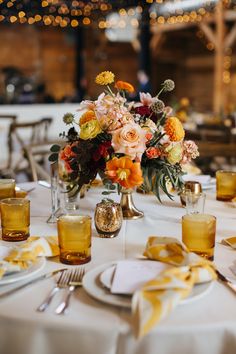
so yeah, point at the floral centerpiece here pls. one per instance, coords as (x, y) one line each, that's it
(128, 144)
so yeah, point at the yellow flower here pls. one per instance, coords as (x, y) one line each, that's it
(105, 78)
(175, 154)
(90, 130)
(86, 117)
(174, 129)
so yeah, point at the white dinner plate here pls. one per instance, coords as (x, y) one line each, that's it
(32, 270)
(94, 287)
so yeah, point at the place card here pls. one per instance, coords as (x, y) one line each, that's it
(130, 275)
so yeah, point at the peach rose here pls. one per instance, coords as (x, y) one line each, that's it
(130, 140)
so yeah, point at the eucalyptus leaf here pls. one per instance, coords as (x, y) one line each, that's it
(55, 148)
(53, 157)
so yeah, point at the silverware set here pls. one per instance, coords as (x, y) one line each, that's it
(68, 280)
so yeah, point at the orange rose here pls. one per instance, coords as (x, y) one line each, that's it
(123, 85)
(153, 152)
(149, 135)
(124, 171)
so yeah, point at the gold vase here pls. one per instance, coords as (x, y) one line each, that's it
(129, 210)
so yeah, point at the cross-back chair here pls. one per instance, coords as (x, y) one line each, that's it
(40, 169)
(6, 120)
(23, 134)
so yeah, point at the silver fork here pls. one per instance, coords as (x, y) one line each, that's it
(62, 282)
(74, 281)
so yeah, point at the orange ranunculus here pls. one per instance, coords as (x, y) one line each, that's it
(86, 117)
(174, 128)
(124, 171)
(67, 152)
(123, 85)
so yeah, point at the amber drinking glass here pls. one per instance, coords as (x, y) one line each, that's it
(225, 185)
(198, 234)
(74, 237)
(7, 188)
(15, 219)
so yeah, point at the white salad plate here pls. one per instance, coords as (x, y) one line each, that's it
(24, 274)
(98, 281)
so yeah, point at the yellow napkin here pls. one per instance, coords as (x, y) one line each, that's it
(160, 296)
(22, 256)
(230, 241)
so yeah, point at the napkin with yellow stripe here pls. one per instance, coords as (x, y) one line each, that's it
(230, 241)
(20, 257)
(160, 296)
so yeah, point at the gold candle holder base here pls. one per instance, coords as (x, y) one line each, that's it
(129, 210)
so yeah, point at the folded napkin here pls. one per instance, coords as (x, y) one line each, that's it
(20, 257)
(230, 241)
(158, 297)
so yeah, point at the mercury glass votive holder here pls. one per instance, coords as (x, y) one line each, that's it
(190, 186)
(108, 218)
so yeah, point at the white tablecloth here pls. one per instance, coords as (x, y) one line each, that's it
(207, 325)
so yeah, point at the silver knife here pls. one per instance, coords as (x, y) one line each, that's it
(44, 184)
(226, 281)
(33, 281)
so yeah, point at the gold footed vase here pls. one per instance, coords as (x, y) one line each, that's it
(129, 210)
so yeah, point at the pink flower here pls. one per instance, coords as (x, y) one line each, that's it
(153, 152)
(168, 111)
(130, 140)
(146, 99)
(190, 151)
(111, 112)
(88, 105)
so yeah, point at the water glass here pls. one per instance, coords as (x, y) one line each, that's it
(74, 238)
(7, 188)
(225, 185)
(198, 234)
(195, 202)
(15, 219)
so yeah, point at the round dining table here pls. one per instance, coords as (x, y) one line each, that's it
(205, 325)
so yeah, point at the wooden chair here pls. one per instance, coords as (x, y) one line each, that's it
(40, 169)
(6, 120)
(24, 134)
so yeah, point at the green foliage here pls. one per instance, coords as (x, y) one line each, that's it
(158, 173)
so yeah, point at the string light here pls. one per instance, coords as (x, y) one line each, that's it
(82, 12)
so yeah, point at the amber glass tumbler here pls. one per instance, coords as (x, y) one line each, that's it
(74, 237)
(15, 219)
